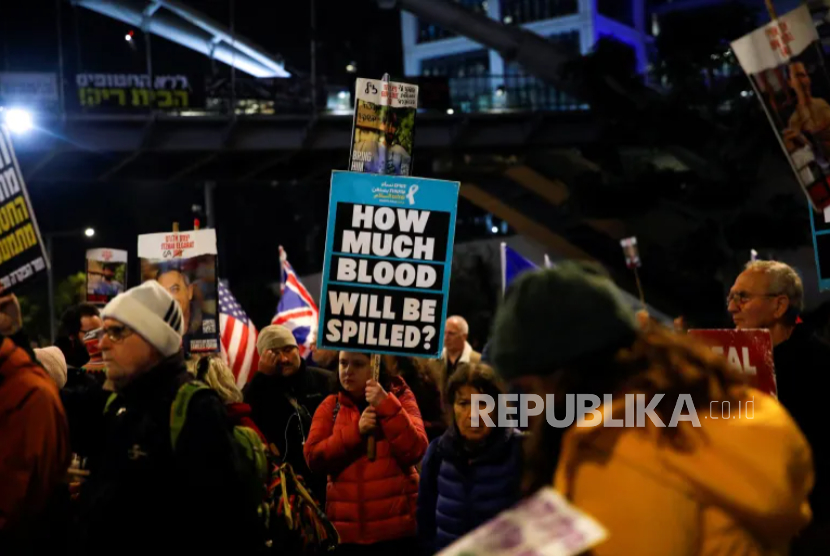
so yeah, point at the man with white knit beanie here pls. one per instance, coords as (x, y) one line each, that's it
(142, 327)
(146, 491)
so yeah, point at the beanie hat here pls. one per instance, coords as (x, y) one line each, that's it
(551, 318)
(274, 337)
(54, 363)
(152, 313)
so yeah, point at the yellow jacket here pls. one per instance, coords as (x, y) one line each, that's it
(737, 486)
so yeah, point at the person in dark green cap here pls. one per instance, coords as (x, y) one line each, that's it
(681, 478)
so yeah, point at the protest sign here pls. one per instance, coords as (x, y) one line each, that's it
(185, 264)
(785, 65)
(748, 351)
(632, 254)
(821, 247)
(384, 127)
(22, 255)
(544, 524)
(386, 273)
(106, 274)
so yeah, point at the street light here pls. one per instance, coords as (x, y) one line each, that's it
(351, 68)
(18, 120)
(48, 237)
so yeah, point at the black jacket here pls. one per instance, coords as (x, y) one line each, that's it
(142, 497)
(802, 365)
(276, 417)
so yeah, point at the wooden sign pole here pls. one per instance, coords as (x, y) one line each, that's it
(371, 449)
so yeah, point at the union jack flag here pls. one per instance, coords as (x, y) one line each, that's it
(296, 310)
(238, 336)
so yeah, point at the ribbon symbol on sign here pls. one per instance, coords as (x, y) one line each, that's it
(413, 189)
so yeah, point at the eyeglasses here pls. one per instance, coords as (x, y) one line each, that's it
(741, 298)
(116, 334)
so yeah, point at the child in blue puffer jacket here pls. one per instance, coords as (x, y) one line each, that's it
(469, 474)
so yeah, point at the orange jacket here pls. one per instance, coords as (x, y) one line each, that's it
(369, 501)
(738, 485)
(34, 438)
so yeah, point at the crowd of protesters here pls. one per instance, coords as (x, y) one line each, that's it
(116, 442)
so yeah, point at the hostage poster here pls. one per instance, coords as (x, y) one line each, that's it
(22, 254)
(785, 64)
(185, 264)
(386, 273)
(384, 127)
(106, 274)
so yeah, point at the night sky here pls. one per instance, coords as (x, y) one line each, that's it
(251, 221)
(356, 30)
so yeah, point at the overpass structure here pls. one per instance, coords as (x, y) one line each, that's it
(177, 22)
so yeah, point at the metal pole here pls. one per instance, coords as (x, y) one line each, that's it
(6, 66)
(80, 68)
(51, 276)
(313, 58)
(149, 54)
(60, 55)
(209, 208)
(233, 59)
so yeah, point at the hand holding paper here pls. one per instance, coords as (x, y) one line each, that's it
(544, 525)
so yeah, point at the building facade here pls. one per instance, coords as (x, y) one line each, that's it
(575, 25)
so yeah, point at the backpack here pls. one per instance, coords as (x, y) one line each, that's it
(298, 525)
(256, 467)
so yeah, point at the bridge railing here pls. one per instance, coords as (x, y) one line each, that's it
(191, 95)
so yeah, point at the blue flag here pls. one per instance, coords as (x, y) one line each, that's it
(512, 265)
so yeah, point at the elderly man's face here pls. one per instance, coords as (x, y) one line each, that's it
(174, 283)
(752, 304)
(126, 354)
(454, 338)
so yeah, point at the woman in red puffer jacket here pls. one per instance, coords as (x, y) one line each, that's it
(371, 503)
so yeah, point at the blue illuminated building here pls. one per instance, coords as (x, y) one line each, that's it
(578, 24)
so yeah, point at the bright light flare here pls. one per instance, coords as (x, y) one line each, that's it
(18, 121)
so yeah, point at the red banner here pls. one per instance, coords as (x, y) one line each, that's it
(749, 351)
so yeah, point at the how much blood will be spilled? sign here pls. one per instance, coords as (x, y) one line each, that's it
(386, 274)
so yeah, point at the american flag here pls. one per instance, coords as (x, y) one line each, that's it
(238, 337)
(296, 310)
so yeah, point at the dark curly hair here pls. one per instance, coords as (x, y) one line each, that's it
(479, 376)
